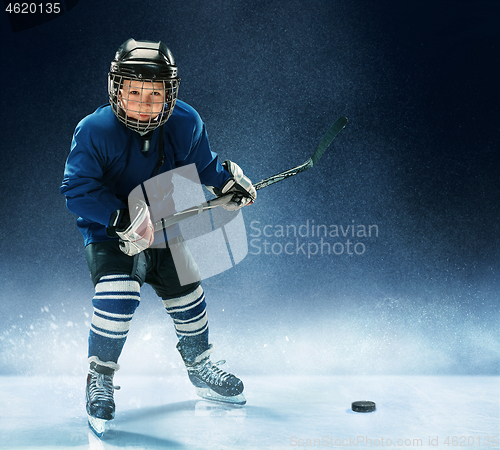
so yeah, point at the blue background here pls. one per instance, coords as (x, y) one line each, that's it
(419, 158)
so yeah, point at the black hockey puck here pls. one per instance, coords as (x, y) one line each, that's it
(363, 406)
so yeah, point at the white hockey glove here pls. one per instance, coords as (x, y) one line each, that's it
(244, 192)
(134, 228)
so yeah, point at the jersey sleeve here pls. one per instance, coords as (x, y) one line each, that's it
(86, 195)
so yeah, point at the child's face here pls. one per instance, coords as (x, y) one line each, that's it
(142, 100)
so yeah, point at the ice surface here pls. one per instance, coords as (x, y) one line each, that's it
(281, 412)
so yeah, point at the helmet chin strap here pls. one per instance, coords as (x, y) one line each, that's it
(143, 133)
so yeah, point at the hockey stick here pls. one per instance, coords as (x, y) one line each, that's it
(318, 153)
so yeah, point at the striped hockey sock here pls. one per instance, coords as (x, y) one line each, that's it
(190, 320)
(115, 301)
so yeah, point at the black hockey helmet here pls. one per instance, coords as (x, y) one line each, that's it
(147, 62)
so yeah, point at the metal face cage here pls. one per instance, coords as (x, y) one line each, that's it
(142, 105)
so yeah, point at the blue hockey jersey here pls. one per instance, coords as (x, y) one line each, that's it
(106, 163)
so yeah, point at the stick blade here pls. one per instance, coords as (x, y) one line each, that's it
(328, 138)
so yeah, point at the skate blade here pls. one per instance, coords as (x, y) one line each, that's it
(209, 394)
(98, 426)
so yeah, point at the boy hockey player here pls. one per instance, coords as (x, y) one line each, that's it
(145, 131)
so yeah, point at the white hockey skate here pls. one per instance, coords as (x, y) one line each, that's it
(212, 383)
